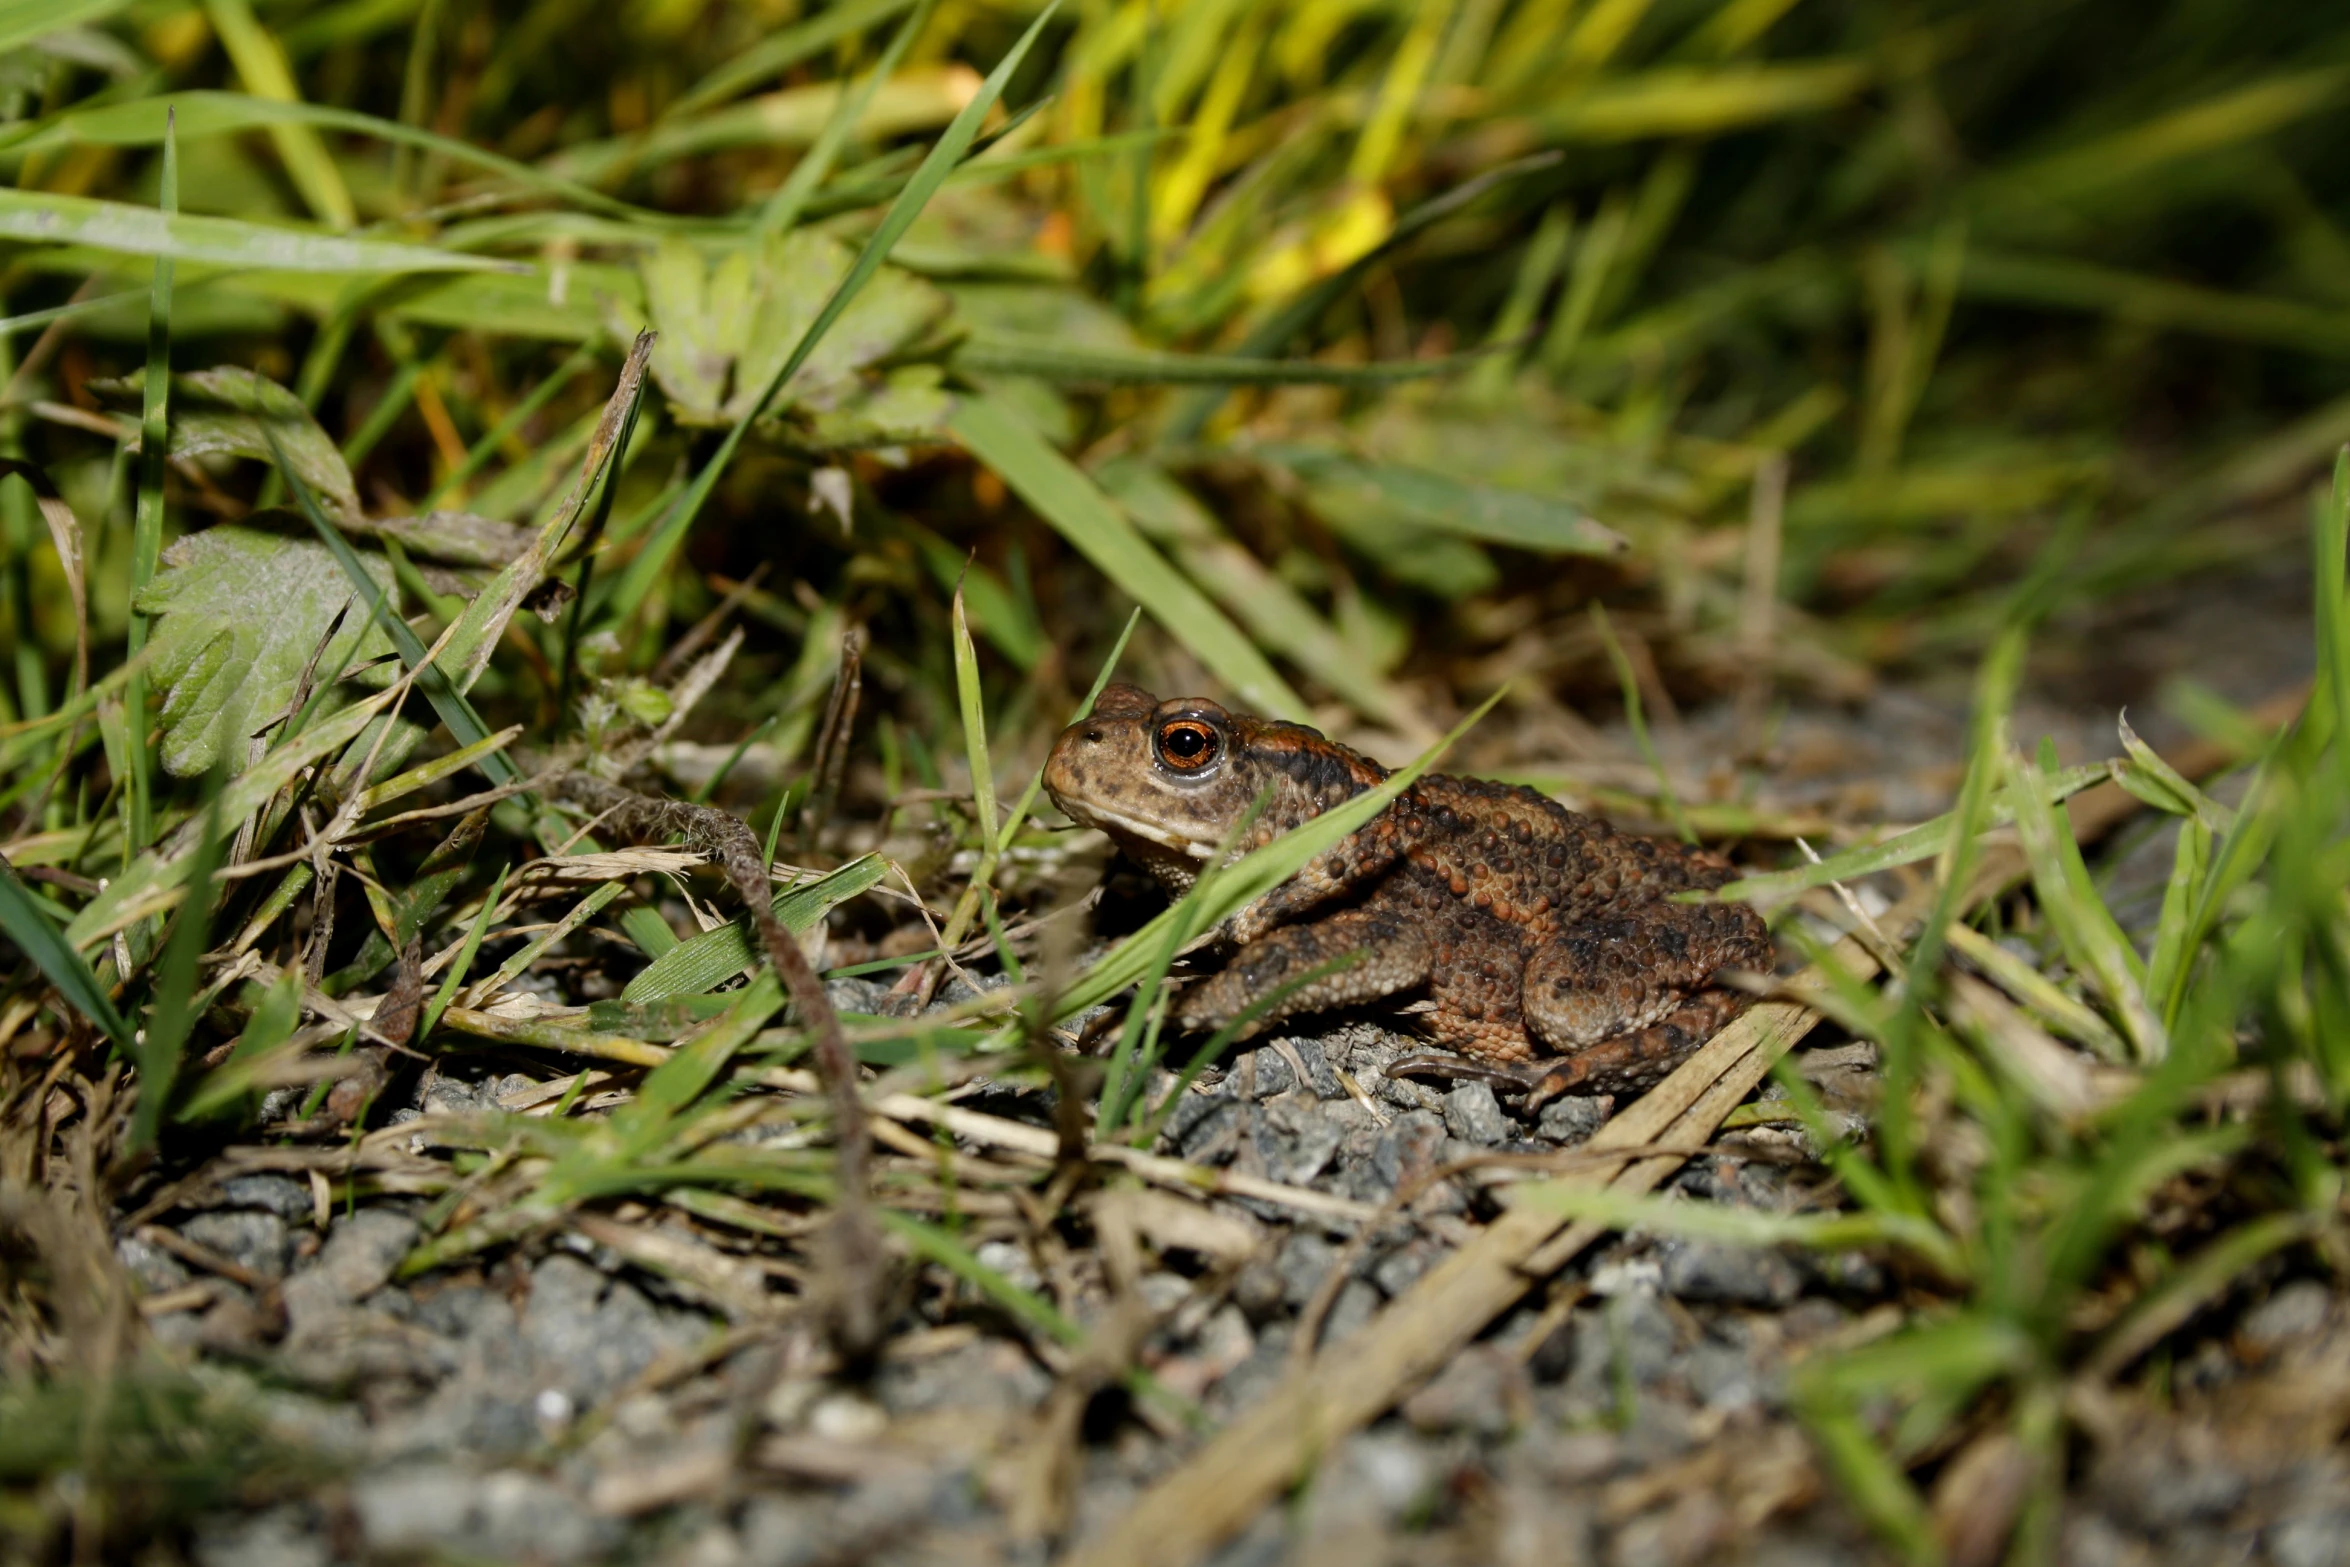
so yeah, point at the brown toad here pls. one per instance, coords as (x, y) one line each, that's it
(1545, 940)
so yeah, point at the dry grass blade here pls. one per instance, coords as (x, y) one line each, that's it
(1221, 1488)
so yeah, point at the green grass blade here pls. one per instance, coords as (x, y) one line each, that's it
(790, 200)
(262, 65)
(454, 980)
(147, 518)
(1007, 353)
(928, 177)
(693, 967)
(173, 1015)
(1278, 330)
(23, 21)
(1027, 801)
(1635, 719)
(49, 218)
(1067, 498)
(779, 52)
(38, 938)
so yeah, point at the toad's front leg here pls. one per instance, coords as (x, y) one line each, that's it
(1389, 955)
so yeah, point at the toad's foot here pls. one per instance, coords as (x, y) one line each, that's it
(1636, 1062)
(1628, 1064)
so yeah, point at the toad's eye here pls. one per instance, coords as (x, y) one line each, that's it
(1187, 745)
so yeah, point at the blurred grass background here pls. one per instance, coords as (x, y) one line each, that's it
(1972, 268)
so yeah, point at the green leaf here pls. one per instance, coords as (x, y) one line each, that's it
(935, 167)
(730, 317)
(228, 411)
(238, 611)
(46, 217)
(1921, 842)
(715, 956)
(1077, 509)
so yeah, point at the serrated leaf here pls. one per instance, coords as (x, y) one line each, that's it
(229, 411)
(711, 306)
(238, 611)
(908, 404)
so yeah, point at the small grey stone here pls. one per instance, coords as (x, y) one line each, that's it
(507, 1513)
(2092, 1540)
(1483, 1392)
(1205, 1127)
(1635, 1327)
(1389, 1469)
(1304, 1263)
(414, 1508)
(1721, 1377)
(1412, 1146)
(2295, 1310)
(439, 1095)
(1735, 1275)
(1321, 1077)
(856, 993)
(1010, 1259)
(782, 1531)
(1401, 1268)
(467, 1311)
(1293, 1142)
(155, 1269)
(282, 1195)
(2319, 1539)
(962, 988)
(1357, 1303)
(1263, 1073)
(254, 1240)
(1473, 1115)
(588, 1334)
(280, 1537)
(1572, 1119)
(360, 1255)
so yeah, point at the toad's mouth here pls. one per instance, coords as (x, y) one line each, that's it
(1118, 824)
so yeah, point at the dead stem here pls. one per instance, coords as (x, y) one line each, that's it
(854, 1261)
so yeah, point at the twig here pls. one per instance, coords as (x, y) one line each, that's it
(853, 1313)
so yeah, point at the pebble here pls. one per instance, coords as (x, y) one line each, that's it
(1572, 1119)
(506, 1513)
(1293, 1142)
(2295, 1310)
(363, 1251)
(1484, 1392)
(1722, 1271)
(282, 1195)
(254, 1240)
(1473, 1115)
